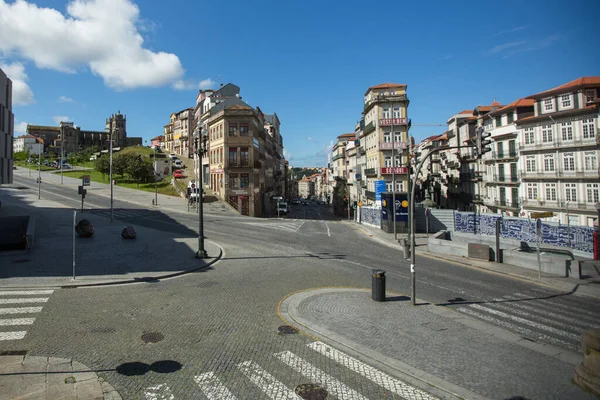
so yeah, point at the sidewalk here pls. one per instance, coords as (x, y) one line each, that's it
(435, 348)
(589, 287)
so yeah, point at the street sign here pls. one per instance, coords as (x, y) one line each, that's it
(546, 214)
(85, 180)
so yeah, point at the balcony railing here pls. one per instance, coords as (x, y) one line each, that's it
(371, 172)
(592, 174)
(385, 99)
(370, 195)
(337, 157)
(370, 127)
(499, 155)
(507, 203)
(508, 179)
(559, 143)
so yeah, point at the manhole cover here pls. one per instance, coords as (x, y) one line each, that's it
(310, 391)
(152, 337)
(287, 330)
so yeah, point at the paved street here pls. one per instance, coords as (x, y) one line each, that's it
(215, 334)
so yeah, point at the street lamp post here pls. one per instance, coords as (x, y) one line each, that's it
(568, 225)
(200, 144)
(110, 161)
(62, 153)
(39, 171)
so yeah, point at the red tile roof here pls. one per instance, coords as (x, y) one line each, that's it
(387, 86)
(346, 135)
(522, 102)
(470, 112)
(580, 82)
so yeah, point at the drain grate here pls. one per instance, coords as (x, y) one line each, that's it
(310, 391)
(152, 337)
(287, 329)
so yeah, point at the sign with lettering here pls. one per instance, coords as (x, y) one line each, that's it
(546, 214)
(85, 180)
(394, 170)
(392, 121)
(395, 145)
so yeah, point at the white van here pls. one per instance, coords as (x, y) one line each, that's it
(192, 191)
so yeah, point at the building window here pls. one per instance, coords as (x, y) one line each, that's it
(387, 137)
(590, 95)
(567, 130)
(592, 193)
(588, 128)
(386, 113)
(244, 157)
(551, 191)
(529, 136)
(498, 121)
(396, 112)
(244, 180)
(232, 129)
(549, 162)
(243, 129)
(387, 161)
(570, 192)
(568, 162)
(532, 191)
(590, 161)
(565, 100)
(233, 181)
(548, 105)
(388, 187)
(233, 157)
(547, 134)
(530, 163)
(510, 118)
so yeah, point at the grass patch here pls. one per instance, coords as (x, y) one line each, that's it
(32, 166)
(162, 187)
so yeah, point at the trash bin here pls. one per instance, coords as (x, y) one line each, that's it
(378, 285)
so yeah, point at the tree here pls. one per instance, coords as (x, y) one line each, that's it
(21, 155)
(102, 165)
(140, 169)
(340, 198)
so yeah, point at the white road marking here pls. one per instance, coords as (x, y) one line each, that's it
(24, 300)
(522, 331)
(159, 392)
(392, 384)
(266, 382)
(16, 321)
(325, 222)
(556, 305)
(329, 383)
(526, 322)
(12, 335)
(213, 388)
(298, 228)
(20, 310)
(24, 292)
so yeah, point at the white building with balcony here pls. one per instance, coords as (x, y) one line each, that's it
(559, 150)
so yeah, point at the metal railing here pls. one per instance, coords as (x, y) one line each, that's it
(370, 172)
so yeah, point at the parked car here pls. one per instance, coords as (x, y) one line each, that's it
(178, 164)
(177, 174)
(67, 166)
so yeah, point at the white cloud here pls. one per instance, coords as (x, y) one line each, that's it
(60, 118)
(102, 35)
(193, 85)
(21, 92)
(21, 127)
(287, 155)
(65, 99)
(505, 46)
(310, 139)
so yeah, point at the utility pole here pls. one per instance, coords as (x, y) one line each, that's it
(62, 152)
(39, 171)
(155, 179)
(201, 148)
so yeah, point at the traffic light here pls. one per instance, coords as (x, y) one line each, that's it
(417, 158)
(482, 142)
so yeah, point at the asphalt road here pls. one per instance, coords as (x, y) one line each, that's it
(207, 324)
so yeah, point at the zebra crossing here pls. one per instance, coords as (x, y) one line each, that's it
(289, 226)
(213, 387)
(121, 213)
(537, 316)
(15, 307)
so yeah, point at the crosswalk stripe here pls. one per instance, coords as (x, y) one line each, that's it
(526, 322)
(332, 385)
(12, 335)
(574, 323)
(553, 305)
(24, 300)
(521, 330)
(16, 321)
(20, 310)
(266, 382)
(393, 385)
(159, 392)
(213, 388)
(24, 292)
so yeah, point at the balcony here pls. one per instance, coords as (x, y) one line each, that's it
(502, 155)
(508, 204)
(506, 179)
(386, 99)
(453, 164)
(394, 121)
(443, 156)
(337, 156)
(370, 195)
(434, 159)
(370, 127)
(371, 172)
(393, 145)
(559, 173)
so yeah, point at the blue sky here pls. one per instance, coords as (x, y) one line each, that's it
(308, 61)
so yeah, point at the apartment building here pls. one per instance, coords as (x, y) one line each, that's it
(7, 121)
(306, 187)
(501, 181)
(385, 138)
(559, 148)
(27, 143)
(179, 133)
(429, 184)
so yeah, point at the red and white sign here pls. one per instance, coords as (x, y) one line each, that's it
(217, 170)
(392, 170)
(390, 121)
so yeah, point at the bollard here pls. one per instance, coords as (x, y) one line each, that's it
(378, 285)
(405, 248)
